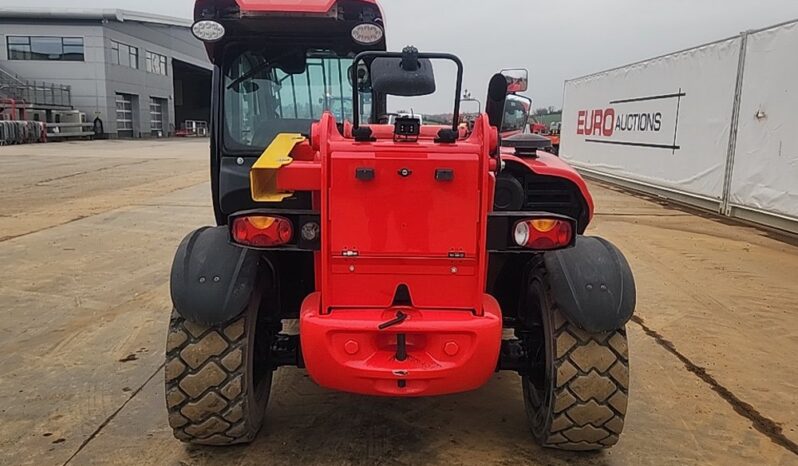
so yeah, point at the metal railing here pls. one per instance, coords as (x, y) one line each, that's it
(37, 93)
(57, 131)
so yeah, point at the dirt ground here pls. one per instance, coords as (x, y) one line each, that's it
(87, 235)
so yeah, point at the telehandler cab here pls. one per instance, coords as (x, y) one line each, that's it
(417, 259)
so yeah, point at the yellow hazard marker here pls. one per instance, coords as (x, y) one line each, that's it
(263, 175)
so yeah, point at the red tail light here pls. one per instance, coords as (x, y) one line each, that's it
(262, 231)
(543, 234)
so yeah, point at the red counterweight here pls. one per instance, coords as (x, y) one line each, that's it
(382, 255)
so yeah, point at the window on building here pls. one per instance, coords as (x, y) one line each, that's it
(45, 48)
(156, 63)
(124, 55)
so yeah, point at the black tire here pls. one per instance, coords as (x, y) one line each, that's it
(576, 390)
(218, 379)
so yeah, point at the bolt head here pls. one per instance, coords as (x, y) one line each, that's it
(451, 348)
(351, 347)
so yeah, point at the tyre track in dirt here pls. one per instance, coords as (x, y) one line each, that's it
(3, 239)
(766, 426)
(151, 190)
(87, 172)
(112, 416)
(642, 243)
(641, 248)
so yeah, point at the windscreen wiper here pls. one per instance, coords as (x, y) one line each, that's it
(266, 64)
(249, 74)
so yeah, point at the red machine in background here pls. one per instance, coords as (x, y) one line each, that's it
(417, 259)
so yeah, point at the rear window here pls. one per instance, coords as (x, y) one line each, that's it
(261, 101)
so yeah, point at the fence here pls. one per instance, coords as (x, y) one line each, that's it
(34, 92)
(712, 126)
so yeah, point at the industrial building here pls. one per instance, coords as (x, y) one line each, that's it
(129, 74)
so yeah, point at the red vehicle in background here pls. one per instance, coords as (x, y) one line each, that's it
(417, 260)
(552, 133)
(538, 128)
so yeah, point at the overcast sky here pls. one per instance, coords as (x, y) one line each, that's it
(554, 39)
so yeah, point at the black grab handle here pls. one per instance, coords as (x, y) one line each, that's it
(430, 56)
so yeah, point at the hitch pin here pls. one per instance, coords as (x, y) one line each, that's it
(400, 317)
(401, 347)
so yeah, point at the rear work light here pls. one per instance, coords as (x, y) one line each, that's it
(543, 234)
(262, 231)
(208, 31)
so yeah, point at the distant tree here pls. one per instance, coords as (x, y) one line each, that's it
(546, 111)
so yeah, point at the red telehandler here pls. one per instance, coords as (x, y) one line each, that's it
(418, 260)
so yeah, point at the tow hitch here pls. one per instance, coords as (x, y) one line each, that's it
(401, 343)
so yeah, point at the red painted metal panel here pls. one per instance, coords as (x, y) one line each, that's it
(413, 215)
(433, 283)
(392, 219)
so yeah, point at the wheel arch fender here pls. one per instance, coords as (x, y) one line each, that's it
(593, 284)
(212, 280)
(550, 165)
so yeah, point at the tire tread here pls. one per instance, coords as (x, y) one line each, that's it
(206, 400)
(592, 387)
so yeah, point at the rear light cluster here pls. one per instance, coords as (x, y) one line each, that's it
(262, 231)
(543, 234)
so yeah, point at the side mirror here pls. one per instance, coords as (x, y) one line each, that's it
(390, 76)
(517, 80)
(516, 113)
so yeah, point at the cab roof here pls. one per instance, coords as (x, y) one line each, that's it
(290, 6)
(304, 23)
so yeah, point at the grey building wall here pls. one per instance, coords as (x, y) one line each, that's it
(172, 42)
(97, 81)
(86, 78)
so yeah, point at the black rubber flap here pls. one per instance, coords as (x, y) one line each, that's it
(593, 284)
(212, 280)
